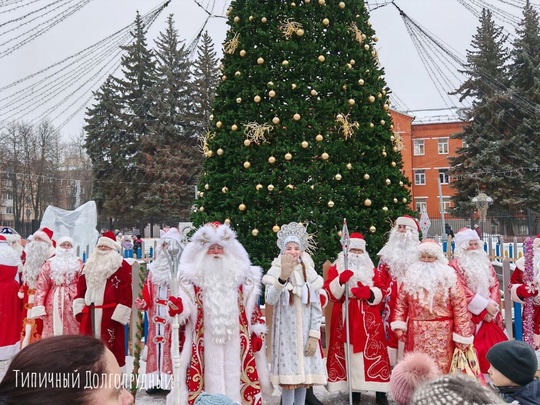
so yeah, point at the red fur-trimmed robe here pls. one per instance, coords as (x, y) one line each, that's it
(516, 280)
(389, 289)
(252, 368)
(10, 312)
(369, 357)
(112, 311)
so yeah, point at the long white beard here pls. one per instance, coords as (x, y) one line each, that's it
(400, 252)
(64, 266)
(160, 270)
(361, 265)
(536, 266)
(426, 280)
(100, 266)
(37, 253)
(477, 269)
(220, 281)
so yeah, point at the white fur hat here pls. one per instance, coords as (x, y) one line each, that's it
(8, 255)
(409, 221)
(108, 239)
(464, 235)
(432, 248)
(45, 234)
(64, 239)
(172, 233)
(520, 263)
(357, 241)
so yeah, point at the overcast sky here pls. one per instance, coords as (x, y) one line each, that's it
(449, 20)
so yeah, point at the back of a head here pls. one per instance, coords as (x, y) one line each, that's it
(36, 374)
(454, 389)
(415, 369)
(213, 399)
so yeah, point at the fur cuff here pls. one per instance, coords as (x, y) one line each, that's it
(462, 339)
(513, 293)
(315, 333)
(323, 298)
(398, 325)
(377, 294)
(78, 305)
(38, 312)
(337, 289)
(121, 314)
(478, 304)
(258, 328)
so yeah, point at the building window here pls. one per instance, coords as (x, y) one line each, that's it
(443, 146)
(418, 147)
(9, 210)
(8, 196)
(443, 176)
(419, 204)
(419, 177)
(446, 205)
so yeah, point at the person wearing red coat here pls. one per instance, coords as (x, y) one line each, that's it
(104, 296)
(370, 365)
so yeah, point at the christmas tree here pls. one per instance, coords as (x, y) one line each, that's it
(301, 129)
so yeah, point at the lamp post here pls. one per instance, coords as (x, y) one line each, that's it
(482, 202)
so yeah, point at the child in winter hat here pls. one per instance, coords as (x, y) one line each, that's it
(513, 368)
(213, 399)
(415, 369)
(454, 389)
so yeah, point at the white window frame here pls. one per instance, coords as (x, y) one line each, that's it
(443, 146)
(443, 173)
(420, 174)
(419, 147)
(419, 202)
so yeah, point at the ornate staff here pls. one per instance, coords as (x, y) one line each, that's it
(174, 251)
(345, 246)
(528, 279)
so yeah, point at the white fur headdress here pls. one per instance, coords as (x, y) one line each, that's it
(295, 232)
(465, 235)
(431, 247)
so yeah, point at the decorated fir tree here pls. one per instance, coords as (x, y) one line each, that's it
(301, 129)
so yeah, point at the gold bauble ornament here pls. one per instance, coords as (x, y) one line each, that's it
(247, 142)
(206, 186)
(255, 232)
(223, 78)
(257, 99)
(212, 117)
(227, 221)
(270, 84)
(338, 177)
(219, 152)
(201, 209)
(285, 63)
(367, 202)
(393, 164)
(271, 93)
(307, 1)
(382, 122)
(371, 99)
(322, 2)
(264, 20)
(293, 4)
(271, 160)
(344, 87)
(300, 32)
(224, 189)
(383, 92)
(325, 156)
(312, 187)
(296, 117)
(371, 125)
(395, 148)
(321, 58)
(238, 100)
(392, 138)
(210, 153)
(330, 203)
(372, 229)
(383, 153)
(275, 228)
(200, 193)
(349, 166)
(234, 127)
(388, 182)
(293, 86)
(247, 165)
(314, 92)
(236, 19)
(349, 66)
(242, 207)
(385, 208)
(275, 120)
(366, 176)
(290, 186)
(352, 62)
(237, 73)
(401, 184)
(341, 5)
(288, 156)
(250, 18)
(404, 200)
(395, 200)
(260, 61)
(351, 102)
(319, 138)
(361, 82)
(379, 95)
(386, 107)
(326, 21)
(258, 187)
(366, 47)
(243, 53)
(304, 144)
(219, 124)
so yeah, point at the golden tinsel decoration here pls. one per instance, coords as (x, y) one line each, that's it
(231, 45)
(256, 132)
(356, 31)
(375, 55)
(398, 141)
(347, 128)
(203, 142)
(289, 28)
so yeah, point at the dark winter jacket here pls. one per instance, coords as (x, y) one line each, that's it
(526, 395)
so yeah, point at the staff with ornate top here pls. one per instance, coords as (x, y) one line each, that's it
(345, 247)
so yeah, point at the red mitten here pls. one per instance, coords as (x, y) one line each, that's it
(256, 342)
(175, 305)
(525, 291)
(361, 292)
(345, 276)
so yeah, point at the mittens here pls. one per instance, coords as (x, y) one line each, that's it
(345, 276)
(175, 305)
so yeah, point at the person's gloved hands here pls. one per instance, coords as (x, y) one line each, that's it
(526, 291)
(287, 266)
(311, 346)
(492, 308)
(361, 291)
(256, 342)
(400, 335)
(140, 304)
(175, 305)
(345, 276)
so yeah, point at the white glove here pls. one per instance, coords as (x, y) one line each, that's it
(287, 266)
(311, 346)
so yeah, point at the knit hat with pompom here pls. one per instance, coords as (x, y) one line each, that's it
(415, 369)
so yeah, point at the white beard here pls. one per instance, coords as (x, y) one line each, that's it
(37, 253)
(477, 268)
(400, 252)
(426, 280)
(64, 266)
(361, 265)
(536, 266)
(219, 282)
(160, 270)
(100, 266)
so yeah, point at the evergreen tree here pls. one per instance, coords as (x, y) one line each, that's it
(205, 72)
(105, 133)
(301, 129)
(484, 156)
(171, 161)
(525, 92)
